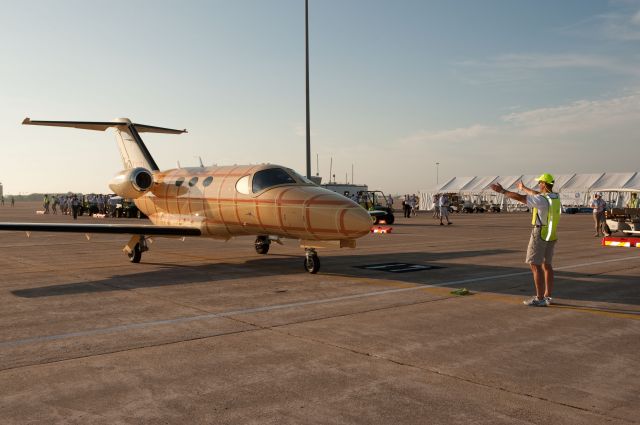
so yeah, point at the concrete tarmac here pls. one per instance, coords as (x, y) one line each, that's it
(208, 332)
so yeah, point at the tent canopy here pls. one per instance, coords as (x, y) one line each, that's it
(574, 189)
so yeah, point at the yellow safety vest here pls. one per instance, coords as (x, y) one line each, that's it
(548, 231)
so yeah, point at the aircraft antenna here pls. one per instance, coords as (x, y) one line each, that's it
(330, 169)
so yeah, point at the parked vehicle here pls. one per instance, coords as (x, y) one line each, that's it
(123, 208)
(377, 204)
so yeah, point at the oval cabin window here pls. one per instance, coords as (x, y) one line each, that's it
(242, 185)
(206, 182)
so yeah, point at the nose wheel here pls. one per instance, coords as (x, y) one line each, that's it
(262, 244)
(311, 261)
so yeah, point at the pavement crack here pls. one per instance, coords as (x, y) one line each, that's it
(447, 375)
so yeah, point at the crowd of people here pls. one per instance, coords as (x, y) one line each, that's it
(72, 204)
(441, 205)
(410, 205)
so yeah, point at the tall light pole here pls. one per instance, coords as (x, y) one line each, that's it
(306, 51)
(437, 177)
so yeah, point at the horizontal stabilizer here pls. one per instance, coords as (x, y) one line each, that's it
(146, 230)
(103, 125)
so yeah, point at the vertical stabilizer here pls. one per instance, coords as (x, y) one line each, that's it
(133, 151)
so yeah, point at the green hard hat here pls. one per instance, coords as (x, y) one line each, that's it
(547, 178)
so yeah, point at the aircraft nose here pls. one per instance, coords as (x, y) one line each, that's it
(357, 221)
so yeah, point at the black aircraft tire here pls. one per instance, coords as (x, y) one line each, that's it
(262, 248)
(312, 263)
(136, 255)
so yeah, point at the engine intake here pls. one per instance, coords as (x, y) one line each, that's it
(132, 183)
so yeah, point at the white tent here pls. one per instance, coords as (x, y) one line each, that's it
(610, 185)
(452, 186)
(456, 184)
(574, 189)
(610, 181)
(633, 183)
(498, 198)
(478, 184)
(475, 191)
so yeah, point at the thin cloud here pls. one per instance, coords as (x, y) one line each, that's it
(571, 120)
(518, 63)
(622, 24)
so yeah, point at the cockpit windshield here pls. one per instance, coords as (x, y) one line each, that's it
(303, 179)
(264, 179)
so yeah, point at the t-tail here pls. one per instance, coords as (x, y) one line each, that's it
(133, 151)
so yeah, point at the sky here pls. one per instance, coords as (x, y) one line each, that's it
(491, 87)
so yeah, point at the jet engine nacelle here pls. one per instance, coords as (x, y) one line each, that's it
(132, 183)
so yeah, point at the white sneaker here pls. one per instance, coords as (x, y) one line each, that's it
(548, 300)
(535, 302)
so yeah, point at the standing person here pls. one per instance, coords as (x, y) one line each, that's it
(436, 206)
(390, 201)
(2, 199)
(75, 206)
(546, 215)
(633, 201)
(599, 207)
(45, 204)
(412, 205)
(406, 206)
(13, 202)
(443, 204)
(54, 204)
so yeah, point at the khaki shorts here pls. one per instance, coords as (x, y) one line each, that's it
(539, 251)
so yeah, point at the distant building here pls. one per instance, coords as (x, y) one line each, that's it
(346, 189)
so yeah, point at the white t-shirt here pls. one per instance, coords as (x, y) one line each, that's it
(598, 205)
(541, 203)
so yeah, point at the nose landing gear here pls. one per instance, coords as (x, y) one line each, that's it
(311, 261)
(262, 244)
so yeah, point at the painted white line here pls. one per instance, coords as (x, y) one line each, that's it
(141, 325)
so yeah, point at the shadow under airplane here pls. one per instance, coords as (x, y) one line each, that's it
(476, 276)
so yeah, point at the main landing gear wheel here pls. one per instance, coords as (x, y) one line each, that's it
(136, 254)
(262, 244)
(311, 261)
(136, 246)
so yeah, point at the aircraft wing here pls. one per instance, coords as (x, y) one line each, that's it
(146, 230)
